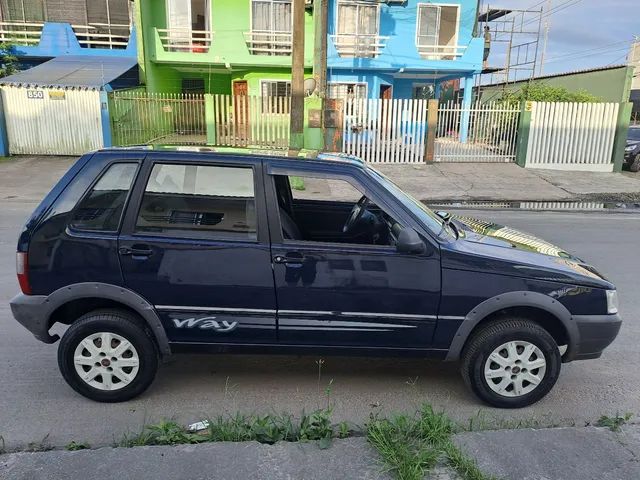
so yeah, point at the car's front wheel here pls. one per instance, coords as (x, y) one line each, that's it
(108, 356)
(511, 363)
(635, 165)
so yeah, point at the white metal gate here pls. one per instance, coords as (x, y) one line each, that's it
(385, 131)
(491, 133)
(52, 121)
(572, 136)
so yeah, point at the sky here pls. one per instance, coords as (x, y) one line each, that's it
(583, 33)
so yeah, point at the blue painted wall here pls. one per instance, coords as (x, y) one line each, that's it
(400, 54)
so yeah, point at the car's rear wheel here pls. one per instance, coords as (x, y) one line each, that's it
(108, 356)
(511, 363)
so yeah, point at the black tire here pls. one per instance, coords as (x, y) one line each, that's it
(118, 322)
(635, 165)
(493, 335)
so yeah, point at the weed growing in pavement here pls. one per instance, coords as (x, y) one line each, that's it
(270, 429)
(3, 448)
(411, 445)
(41, 446)
(73, 446)
(613, 423)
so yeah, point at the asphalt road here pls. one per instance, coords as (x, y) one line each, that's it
(35, 402)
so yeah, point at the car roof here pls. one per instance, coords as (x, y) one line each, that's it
(327, 158)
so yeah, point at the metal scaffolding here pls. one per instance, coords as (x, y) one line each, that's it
(515, 36)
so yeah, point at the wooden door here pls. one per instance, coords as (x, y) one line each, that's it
(241, 111)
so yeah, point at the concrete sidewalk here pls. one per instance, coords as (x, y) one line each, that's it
(509, 182)
(29, 178)
(558, 453)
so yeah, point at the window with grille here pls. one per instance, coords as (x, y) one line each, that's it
(357, 28)
(276, 95)
(347, 90)
(271, 27)
(437, 30)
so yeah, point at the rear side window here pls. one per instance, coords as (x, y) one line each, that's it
(199, 201)
(102, 208)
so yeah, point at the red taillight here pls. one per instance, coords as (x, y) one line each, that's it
(22, 269)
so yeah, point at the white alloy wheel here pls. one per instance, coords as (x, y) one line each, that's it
(106, 361)
(515, 368)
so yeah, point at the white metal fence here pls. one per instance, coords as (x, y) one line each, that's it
(385, 131)
(252, 121)
(395, 131)
(572, 136)
(52, 121)
(491, 134)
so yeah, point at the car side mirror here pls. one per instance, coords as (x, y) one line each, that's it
(410, 242)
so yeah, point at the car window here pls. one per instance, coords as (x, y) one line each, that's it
(311, 188)
(321, 209)
(101, 209)
(634, 134)
(199, 201)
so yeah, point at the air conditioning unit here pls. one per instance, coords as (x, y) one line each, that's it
(394, 2)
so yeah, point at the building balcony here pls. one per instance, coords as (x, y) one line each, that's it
(52, 39)
(441, 52)
(359, 46)
(103, 35)
(185, 40)
(21, 33)
(262, 42)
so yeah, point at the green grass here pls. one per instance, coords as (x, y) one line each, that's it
(315, 426)
(412, 445)
(73, 446)
(613, 423)
(297, 183)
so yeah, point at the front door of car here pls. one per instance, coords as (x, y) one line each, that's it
(195, 245)
(349, 295)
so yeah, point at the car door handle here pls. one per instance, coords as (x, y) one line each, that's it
(136, 251)
(287, 260)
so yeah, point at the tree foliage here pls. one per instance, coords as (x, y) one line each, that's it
(8, 60)
(541, 92)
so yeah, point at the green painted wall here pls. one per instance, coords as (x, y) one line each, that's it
(227, 59)
(612, 85)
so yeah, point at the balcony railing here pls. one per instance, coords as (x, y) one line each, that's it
(440, 52)
(21, 33)
(185, 40)
(262, 42)
(359, 45)
(102, 35)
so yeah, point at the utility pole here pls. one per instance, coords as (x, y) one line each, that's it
(547, 26)
(320, 14)
(296, 135)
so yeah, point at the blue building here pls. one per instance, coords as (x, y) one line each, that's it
(401, 48)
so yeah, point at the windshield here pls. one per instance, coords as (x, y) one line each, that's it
(634, 134)
(427, 216)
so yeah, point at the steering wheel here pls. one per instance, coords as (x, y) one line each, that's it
(356, 213)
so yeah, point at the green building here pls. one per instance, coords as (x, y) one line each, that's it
(238, 47)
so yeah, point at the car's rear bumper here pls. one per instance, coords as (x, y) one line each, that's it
(32, 312)
(595, 333)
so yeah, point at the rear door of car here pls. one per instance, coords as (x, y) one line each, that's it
(195, 245)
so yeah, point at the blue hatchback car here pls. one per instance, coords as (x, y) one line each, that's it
(145, 253)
